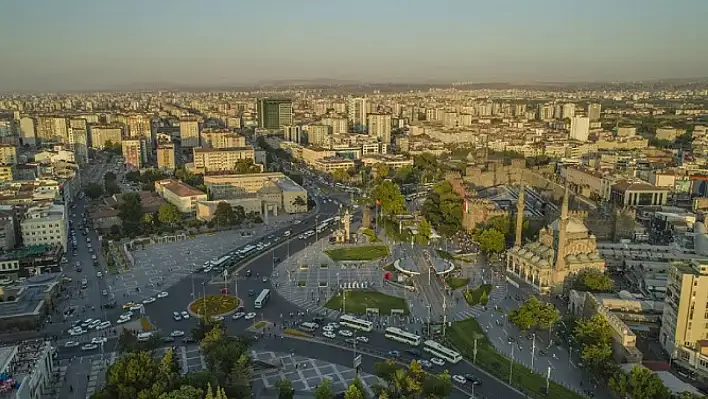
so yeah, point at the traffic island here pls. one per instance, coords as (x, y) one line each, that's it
(214, 306)
(364, 252)
(478, 295)
(259, 326)
(359, 301)
(463, 334)
(457, 282)
(296, 333)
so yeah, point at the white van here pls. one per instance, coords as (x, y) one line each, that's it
(144, 336)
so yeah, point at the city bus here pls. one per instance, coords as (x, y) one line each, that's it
(262, 299)
(353, 322)
(246, 250)
(442, 352)
(309, 327)
(399, 335)
(221, 262)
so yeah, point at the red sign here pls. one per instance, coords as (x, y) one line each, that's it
(224, 291)
(387, 275)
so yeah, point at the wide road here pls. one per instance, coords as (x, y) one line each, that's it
(278, 311)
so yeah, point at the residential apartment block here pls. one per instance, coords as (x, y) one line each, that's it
(220, 160)
(102, 134)
(189, 131)
(45, 224)
(166, 156)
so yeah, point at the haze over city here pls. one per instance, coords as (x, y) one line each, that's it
(84, 45)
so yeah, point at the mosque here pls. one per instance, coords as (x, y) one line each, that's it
(563, 248)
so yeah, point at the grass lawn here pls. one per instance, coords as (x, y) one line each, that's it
(478, 295)
(462, 335)
(370, 234)
(457, 282)
(358, 301)
(364, 252)
(214, 305)
(259, 325)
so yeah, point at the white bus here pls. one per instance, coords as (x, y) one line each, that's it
(309, 327)
(353, 322)
(220, 262)
(247, 249)
(399, 335)
(262, 298)
(442, 352)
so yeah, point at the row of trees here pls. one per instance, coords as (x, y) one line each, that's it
(535, 314)
(592, 280)
(411, 382)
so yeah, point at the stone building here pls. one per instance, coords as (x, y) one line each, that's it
(494, 172)
(476, 210)
(563, 248)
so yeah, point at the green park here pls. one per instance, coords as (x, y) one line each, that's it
(478, 295)
(364, 252)
(358, 301)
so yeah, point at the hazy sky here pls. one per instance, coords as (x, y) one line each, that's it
(93, 44)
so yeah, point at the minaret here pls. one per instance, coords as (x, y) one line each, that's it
(562, 227)
(519, 216)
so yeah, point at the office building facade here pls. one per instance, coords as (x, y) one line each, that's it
(274, 114)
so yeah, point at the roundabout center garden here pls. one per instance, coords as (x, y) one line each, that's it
(214, 305)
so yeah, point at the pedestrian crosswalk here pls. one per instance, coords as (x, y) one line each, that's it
(496, 295)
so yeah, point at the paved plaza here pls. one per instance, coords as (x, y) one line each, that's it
(160, 266)
(310, 277)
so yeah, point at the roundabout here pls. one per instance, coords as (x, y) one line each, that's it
(214, 306)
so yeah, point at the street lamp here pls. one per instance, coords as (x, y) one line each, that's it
(533, 350)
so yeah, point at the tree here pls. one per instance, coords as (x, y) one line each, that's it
(425, 229)
(595, 339)
(244, 166)
(239, 214)
(534, 314)
(619, 383)
(382, 171)
(643, 383)
(340, 175)
(353, 392)
(405, 175)
(324, 390)
(412, 382)
(227, 361)
(110, 184)
(593, 280)
(490, 241)
(93, 190)
(443, 209)
(501, 224)
(184, 392)
(389, 195)
(224, 214)
(169, 214)
(285, 389)
(138, 374)
(299, 201)
(130, 213)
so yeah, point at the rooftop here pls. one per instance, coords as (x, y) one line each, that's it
(179, 188)
(202, 149)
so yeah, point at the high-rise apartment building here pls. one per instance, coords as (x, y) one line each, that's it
(103, 134)
(318, 134)
(380, 126)
(27, 131)
(594, 111)
(221, 160)
(568, 111)
(579, 128)
(8, 154)
(189, 131)
(139, 126)
(274, 113)
(684, 320)
(293, 133)
(78, 142)
(45, 224)
(133, 153)
(219, 138)
(166, 156)
(339, 125)
(357, 109)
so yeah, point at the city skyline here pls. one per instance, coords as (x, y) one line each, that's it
(131, 45)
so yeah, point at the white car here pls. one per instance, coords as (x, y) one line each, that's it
(163, 294)
(148, 300)
(71, 344)
(127, 314)
(329, 334)
(176, 316)
(328, 328)
(136, 307)
(346, 333)
(333, 325)
(459, 379)
(362, 338)
(103, 325)
(89, 347)
(218, 318)
(99, 274)
(437, 361)
(250, 315)
(177, 333)
(99, 340)
(122, 320)
(238, 315)
(185, 315)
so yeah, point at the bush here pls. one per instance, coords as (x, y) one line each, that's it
(145, 324)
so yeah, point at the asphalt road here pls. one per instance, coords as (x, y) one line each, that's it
(277, 310)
